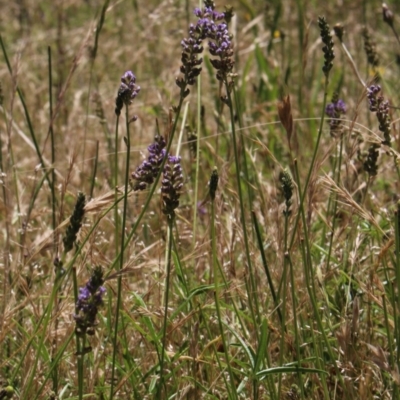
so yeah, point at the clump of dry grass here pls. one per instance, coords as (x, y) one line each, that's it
(271, 293)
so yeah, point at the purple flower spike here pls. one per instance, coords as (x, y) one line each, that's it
(148, 170)
(127, 91)
(380, 106)
(171, 185)
(335, 110)
(219, 46)
(90, 298)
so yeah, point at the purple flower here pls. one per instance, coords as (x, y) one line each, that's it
(220, 45)
(378, 104)
(171, 185)
(127, 91)
(90, 298)
(191, 48)
(201, 209)
(148, 170)
(335, 110)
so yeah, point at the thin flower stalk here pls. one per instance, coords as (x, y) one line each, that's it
(328, 63)
(220, 46)
(127, 92)
(213, 186)
(171, 188)
(90, 299)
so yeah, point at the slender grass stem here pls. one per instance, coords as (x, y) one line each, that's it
(156, 180)
(231, 391)
(311, 168)
(309, 277)
(121, 255)
(115, 182)
(27, 115)
(95, 165)
(252, 294)
(198, 142)
(397, 273)
(161, 383)
(335, 206)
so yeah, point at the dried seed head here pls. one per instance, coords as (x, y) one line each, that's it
(287, 190)
(388, 16)
(370, 48)
(286, 116)
(339, 31)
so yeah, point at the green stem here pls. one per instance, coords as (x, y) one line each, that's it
(310, 171)
(309, 276)
(335, 204)
(121, 254)
(161, 383)
(217, 305)
(154, 186)
(116, 217)
(252, 293)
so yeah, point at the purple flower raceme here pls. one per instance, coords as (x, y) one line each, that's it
(380, 106)
(220, 45)
(191, 48)
(90, 298)
(127, 91)
(335, 110)
(171, 185)
(147, 171)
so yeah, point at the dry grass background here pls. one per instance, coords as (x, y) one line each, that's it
(145, 36)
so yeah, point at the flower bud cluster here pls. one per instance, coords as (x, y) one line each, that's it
(380, 106)
(334, 111)
(147, 171)
(127, 91)
(326, 37)
(171, 184)
(208, 26)
(90, 298)
(172, 181)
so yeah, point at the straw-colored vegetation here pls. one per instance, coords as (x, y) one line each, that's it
(277, 277)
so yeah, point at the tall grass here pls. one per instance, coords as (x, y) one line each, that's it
(278, 274)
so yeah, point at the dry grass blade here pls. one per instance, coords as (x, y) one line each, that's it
(347, 200)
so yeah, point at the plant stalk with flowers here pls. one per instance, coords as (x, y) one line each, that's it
(309, 274)
(89, 300)
(380, 106)
(127, 92)
(190, 324)
(171, 188)
(335, 110)
(190, 70)
(213, 26)
(217, 274)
